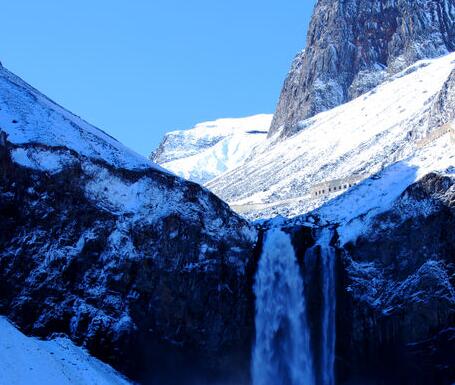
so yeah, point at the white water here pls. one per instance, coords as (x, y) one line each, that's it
(282, 354)
(328, 312)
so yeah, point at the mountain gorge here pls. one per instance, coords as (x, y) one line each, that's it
(319, 251)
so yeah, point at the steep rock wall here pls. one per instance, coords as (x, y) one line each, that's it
(353, 45)
(144, 295)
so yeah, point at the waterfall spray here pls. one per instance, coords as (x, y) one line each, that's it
(282, 354)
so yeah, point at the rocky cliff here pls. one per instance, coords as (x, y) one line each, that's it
(139, 289)
(397, 291)
(443, 109)
(145, 270)
(360, 138)
(353, 45)
(153, 274)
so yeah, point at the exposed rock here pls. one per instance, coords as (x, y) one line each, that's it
(358, 139)
(147, 290)
(443, 109)
(397, 307)
(353, 45)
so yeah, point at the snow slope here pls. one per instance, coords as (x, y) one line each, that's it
(28, 116)
(364, 136)
(97, 232)
(212, 148)
(356, 208)
(30, 361)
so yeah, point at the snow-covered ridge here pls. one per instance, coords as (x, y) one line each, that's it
(42, 135)
(357, 208)
(353, 46)
(76, 187)
(29, 117)
(212, 148)
(361, 137)
(29, 361)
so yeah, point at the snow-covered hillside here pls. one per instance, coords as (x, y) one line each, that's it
(92, 235)
(212, 148)
(29, 117)
(29, 361)
(356, 208)
(359, 138)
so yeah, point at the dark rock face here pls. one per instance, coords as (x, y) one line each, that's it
(397, 307)
(353, 45)
(443, 109)
(147, 296)
(395, 311)
(170, 300)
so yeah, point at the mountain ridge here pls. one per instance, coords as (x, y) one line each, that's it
(211, 148)
(360, 137)
(354, 45)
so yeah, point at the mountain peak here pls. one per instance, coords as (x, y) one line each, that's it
(354, 45)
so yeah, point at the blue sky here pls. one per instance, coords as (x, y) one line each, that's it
(140, 68)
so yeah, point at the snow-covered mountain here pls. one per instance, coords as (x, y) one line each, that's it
(101, 244)
(155, 274)
(30, 361)
(211, 148)
(354, 45)
(355, 140)
(38, 126)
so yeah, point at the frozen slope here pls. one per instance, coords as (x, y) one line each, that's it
(356, 209)
(212, 148)
(98, 243)
(359, 138)
(29, 361)
(29, 117)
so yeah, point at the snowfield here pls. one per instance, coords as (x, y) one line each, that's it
(30, 361)
(363, 137)
(29, 117)
(356, 208)
(212, 148)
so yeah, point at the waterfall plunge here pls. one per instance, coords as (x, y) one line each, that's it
(282, 353)
(328, 309)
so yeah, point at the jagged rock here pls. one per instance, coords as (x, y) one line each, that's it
(397, 303)
(164, 285)
(443, 109)
(354, 45)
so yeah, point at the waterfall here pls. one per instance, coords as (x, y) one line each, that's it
(281, 355)
(282, 352)
(328, 306)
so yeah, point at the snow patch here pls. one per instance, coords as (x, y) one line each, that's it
(30, 361)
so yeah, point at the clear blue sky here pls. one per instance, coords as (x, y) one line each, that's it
(139, 68)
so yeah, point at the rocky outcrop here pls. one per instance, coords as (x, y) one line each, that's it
(149, 293)
(395, 310)
(443, 109)
(148, 290)
(397, 294)
(353, 45)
